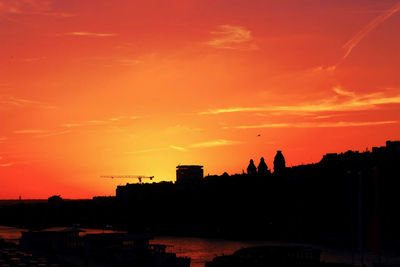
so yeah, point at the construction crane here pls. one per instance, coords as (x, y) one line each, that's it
(139, 177)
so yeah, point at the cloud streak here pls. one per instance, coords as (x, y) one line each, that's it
(3, 165)
(352, 102)
(128, 61)
(179, 148)
(93, 34)
(340, 91)
(232, 37)
(32, 7)
(53, 134)
(353, 42)
(99, 122)
(215, 143)
(316, 124)
(70, 125)
(30, 131)
(147, 150)
(207, 144)
(16, 102)
(7, 164)
(67, 128)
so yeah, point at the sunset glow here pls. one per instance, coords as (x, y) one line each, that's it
(126, 87)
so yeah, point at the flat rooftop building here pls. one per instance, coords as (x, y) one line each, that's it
(189, 173)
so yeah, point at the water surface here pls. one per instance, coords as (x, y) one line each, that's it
(201, 250)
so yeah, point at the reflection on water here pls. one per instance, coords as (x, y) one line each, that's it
(10, 234)
(201, 250)
(85, 231)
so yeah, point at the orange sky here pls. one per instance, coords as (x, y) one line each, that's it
(98, 87)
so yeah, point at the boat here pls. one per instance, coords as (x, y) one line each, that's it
(70, 248)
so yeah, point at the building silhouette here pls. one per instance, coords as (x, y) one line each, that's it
(251, 169)
(279, 162)
(189, 173)
(262, 168)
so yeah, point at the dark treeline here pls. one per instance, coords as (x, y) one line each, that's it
(332, 201)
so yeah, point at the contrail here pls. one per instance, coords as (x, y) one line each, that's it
(353, 42)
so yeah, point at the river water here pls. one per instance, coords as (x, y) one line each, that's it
(201, 250)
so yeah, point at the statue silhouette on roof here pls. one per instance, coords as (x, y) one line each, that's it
(279, 163)
(251, 169)
(262, 168)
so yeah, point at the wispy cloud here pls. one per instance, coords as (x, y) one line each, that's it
(41, 133)
(348, 101)
(128, 61)
(3, 139)
(238, 109)
(356, 39)
(8, 102)
(353, 42)
(116, 61)
(70, 125)
(30, 131)
(232, 37)
(97, 122)
(326, 69)
(147, 150)
(340, 91)
(207, 144)
(8, 164)
(315, 124)
(93, 34)
(32, 7)
(118, 118)
(323, 117)
(180, 129)
(179, 148)
(53, 134)
(214, 143)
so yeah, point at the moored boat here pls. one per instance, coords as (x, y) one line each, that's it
(104, 249)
